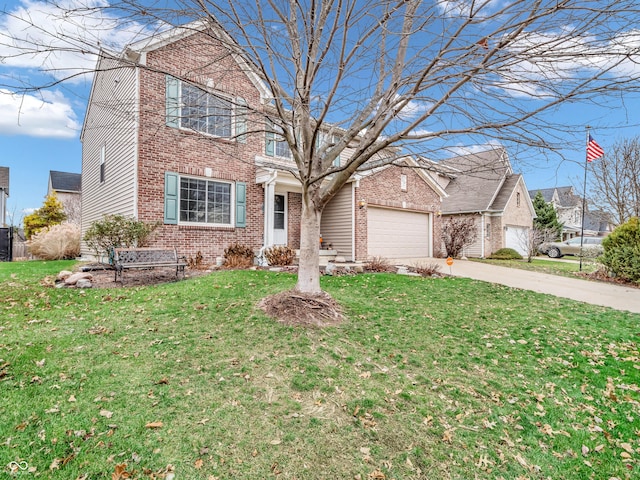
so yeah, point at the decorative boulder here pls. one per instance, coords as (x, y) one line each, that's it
(63, 275)
(84, 283)
(73, 279)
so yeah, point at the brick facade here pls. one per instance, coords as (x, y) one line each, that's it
(164, 149)
(294, 212)
(384, 189)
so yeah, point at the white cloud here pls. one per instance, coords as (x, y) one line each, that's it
(49, 116)
(62, 39)
(462, 8)
(459, 149)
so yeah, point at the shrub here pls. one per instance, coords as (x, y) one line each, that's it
(51, 213)
(622, 251)
(115, 231)
(280, 255)
(458, 233)
(427, 269)
(238, 256)
(57, 242)
(505, 254)
(379, 265)
(196, 262)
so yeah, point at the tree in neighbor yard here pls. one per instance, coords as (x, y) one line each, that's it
(384, 78)
(458, 233)
(546, 223)
(615, 181)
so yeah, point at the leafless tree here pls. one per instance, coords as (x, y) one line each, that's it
(458, 233)
(614, 181)
(531, 238)
(382, 78)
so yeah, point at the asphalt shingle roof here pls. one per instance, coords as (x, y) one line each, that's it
(4, 179)
(479, 177)
(65, 181)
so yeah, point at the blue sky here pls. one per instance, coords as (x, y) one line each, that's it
(40, 132)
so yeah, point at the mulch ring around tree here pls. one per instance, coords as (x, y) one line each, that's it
(303, 309)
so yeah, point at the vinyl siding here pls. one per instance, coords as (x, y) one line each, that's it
(110, 122)
(337, 222)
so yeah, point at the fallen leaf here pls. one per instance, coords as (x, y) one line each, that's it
(120, 472)
(72, 398)
(275, 441)
(40, 363)
(106, 413)
(198, 464)
(447, 436)
(55, 465)
(154, 425)
(627, 447)
(585, 450)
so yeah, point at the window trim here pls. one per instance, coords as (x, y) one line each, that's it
(175, 105)
(232, 202)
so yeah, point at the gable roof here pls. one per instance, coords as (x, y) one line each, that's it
(478, 180)
(564, 195)
(4, 179)
(137, 51)
(65, 181)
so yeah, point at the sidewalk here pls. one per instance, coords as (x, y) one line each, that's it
(596, 293)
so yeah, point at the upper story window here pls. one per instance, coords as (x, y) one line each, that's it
(103, 160)
(276, 145)
(195, 109)
(518, 199)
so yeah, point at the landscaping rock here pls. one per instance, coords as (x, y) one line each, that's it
(84, 283)
(73, 279)
(358, 269)
(402, 270)
(63, 275)
(330, 269)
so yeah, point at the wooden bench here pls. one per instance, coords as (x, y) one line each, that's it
(145, 258)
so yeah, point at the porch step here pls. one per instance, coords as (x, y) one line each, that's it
(325, 256)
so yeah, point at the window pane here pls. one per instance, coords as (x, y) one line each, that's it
(219, 119)
(192, 200)
(219, 203)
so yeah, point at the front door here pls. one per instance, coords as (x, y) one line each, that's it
(279, 219)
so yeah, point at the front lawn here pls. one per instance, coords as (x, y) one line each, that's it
(427, 378)
(567, 268)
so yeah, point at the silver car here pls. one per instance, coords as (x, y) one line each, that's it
(592, 247)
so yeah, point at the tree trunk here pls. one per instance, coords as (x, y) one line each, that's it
(309, 263)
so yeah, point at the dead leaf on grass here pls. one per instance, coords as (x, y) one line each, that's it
(106, 413)
(198, 464)
(120, 472)
(154, 425)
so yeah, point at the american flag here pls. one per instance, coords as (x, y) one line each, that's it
(593, 150)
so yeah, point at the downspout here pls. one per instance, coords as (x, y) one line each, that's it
(482, 233)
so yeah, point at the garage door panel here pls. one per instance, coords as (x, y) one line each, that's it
(516, 238)
(397, 233)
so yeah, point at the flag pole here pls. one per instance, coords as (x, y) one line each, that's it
(584, 195)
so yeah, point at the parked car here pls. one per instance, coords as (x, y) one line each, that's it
(592, 247)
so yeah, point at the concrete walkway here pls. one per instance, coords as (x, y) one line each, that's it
(596, 293)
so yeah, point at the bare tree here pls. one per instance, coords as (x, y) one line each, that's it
(382, 79)
(614, 183)
(458, 233)
(531, 238)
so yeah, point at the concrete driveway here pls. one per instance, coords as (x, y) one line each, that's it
(596, 293)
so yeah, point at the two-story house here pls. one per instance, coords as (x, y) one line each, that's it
(174, 133)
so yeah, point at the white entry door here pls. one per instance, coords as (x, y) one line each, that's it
(279, 219)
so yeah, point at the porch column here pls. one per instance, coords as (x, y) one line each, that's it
(269, 192)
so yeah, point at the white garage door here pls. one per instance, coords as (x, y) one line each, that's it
(516, 238)
(397, 233)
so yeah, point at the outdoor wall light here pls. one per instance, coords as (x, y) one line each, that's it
(362, 203)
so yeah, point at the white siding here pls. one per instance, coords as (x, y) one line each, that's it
(111, 121)
(337, 222)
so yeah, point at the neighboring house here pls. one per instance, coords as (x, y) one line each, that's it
(568, 207)
(68, 190)
(192, 157)
(4, 194)
(483, 186)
